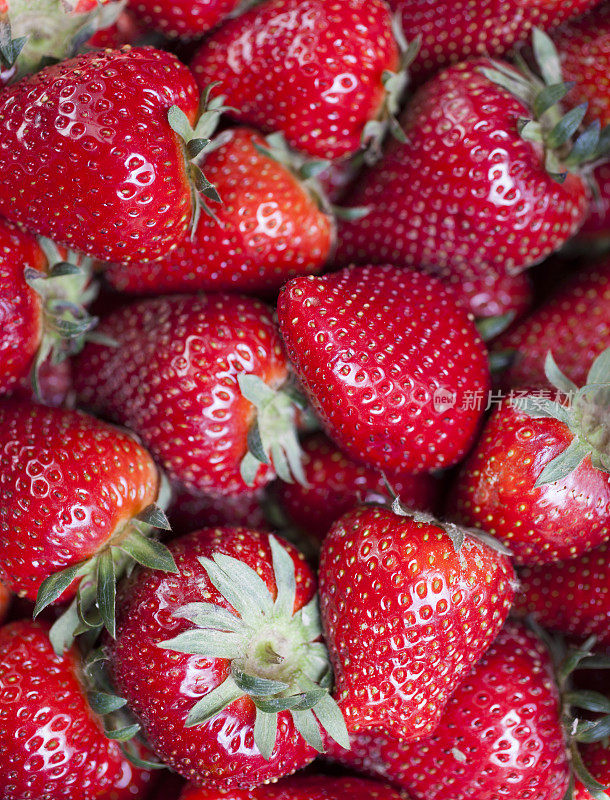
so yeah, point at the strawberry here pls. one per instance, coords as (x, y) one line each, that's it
(189, 511)
(222, 663)
(122, 171)
(392, 383)
(125, 30)
(5, 601)
(179, 377)
(475, 186)
(454, 30)
(302, 787)
(538, 477)
(52, 744)
(72, 490)
(335, 484)
(324, 75)
(500, 735)
(408, 607)
(268, 229)
(596, 758)
(571, 596)
(186, 19)
(573, 322)
(488, 293)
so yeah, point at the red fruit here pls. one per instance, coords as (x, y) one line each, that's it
(390, 364)
(269, 228)
(173, 379)
(500, 735)
(453, 30)
(190, 684)
(571, 596)
(5, 601)
(52, 745)
(336, 484)
(406, 616)
(573, 323)
(187, 19)
(189, 511)
(126, 30)
(597, 224)
(465, 192)
(302, 787)
(538, 477)
(92, 135)
(596, 757)
(310, 69)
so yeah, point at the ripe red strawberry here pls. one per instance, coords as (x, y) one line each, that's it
(177, 378)
(596, 758)
(454, 30)
(269, 228)
(189, 511)
(52, 745)
(94, 132)
(5, 601)
(538, 478)
(574, 323)
(489, 293)
(335, 484)
(465, 191)
(222, 663)
(500, 736)
(389, 362)
(317, 72)
(72, 489)
(302, 787)
(571, 596)
(406, 615)
(126, 30)
(186, 19)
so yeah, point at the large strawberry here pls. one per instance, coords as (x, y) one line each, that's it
(186, 19)
(573, 322)
(571, 596)
(222, 663)
(52, 744)
(183, 376)
(88, 156)
(268, 228)
(408, 607)
(72, 491)
(323, 74)
(538, 477)
(389, 362)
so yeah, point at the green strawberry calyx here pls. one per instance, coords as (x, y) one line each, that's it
(277, 658)
(549, 126)
(93, 607)
(587, 416)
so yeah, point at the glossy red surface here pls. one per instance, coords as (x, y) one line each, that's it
(188, 19)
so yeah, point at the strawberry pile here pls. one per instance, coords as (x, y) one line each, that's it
(304, 400)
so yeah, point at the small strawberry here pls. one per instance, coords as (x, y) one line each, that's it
(408, 607)
(323, 74)
(571, 596)
(573, 322)
(389, 362)
(5, 601)
(538, 478)
(125, 30)
(222, 663)
(335, 484)
(186, 19)
(89, 158)
(195, 377)
(189, 511)
(268, 229)
(596, 758)
(72, 491)
(52, 744)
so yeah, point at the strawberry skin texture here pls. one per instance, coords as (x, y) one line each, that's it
(309, 69)
(5, 601)
(20, 306)
(68, 483)
(172, 379)
(189, 511)
(269, 229)
(495, 491)
(89, 139)
(503, 723)
(371, 347)
(572, 597)
(302, 787)
(161, 686)
(597, 760)
(405, 617)
(186, 19)
(337, 485)
(454, 30)
(488, 292)
(52, 746)
(465, 192)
